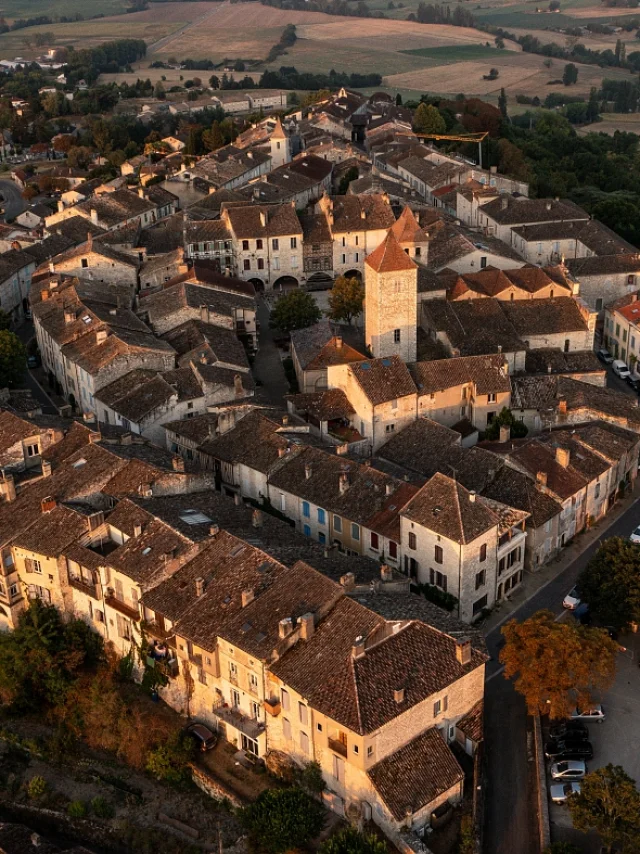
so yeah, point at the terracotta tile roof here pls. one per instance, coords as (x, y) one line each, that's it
(14, 429)
(383, 379)
(609, 440)
(519, 490)
(52, 532)
(192, 336)
(386, 521)
(545, 316)
(536, 457)
(389, 257)
(604, 265)
(444, 506)
(417, 774)
(136, 394)
(472, 724)
(254, 221)
(406, 228)
(552, 361)
(254, 441)
(323, 405)
(317, 347)
(486, 372)
(520, 210)
(361, 213)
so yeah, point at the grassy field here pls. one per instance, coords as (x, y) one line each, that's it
(611, 122)
(12, 9)
(459, 53)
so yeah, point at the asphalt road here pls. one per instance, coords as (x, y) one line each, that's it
(510, 817)
(13, 203)
(25, 333)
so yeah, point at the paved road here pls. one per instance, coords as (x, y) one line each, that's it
(510, 804)
(268, 365)
(13, 203)
(25, 333)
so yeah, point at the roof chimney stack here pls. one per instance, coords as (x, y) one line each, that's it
(177, 463)
(307, 626)
(307, 471)
(343, 483)
(199, 586)
(248, 596)
(463, 650)
(285, 627)
(563, 457)
(398, 695)
(358, 648)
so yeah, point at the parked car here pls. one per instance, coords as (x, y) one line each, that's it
(620, 369)
(568, 749)
(596, 713)
(569, 729)
(33, 360)
(605, 356)
(635, 535)
(634, 381)
(202, 736)
(561, 792)
(568, 769)
(571, 600)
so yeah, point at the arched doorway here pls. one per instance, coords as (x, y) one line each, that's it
(319, 282)
(258, 284)
(285, 283)
(353, 274)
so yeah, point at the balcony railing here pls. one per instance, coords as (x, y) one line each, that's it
(154, 630)
(235, 719)
(338, 746)
(84, 586)
(123, 608)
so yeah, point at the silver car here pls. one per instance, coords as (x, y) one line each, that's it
(568, 769)
(561, 792)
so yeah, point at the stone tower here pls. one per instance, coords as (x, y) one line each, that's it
(391, 301)
(280, 146)
(411, 237)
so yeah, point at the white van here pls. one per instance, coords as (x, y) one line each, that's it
(620, 368)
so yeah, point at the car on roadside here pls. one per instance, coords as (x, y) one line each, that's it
(569, 729)
(568, 749)
(605, 356)
(634, 381)
(635, 535)
(595, 713)
(571, 600)
(33, 361)
(620, 369)
(561, 792)
(202, 736)
(568, 769)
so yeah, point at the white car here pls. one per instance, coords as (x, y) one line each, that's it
(596, 713)
(568, 769)
(571, 600)
(620, 368)
(561, 792)
(635, 535)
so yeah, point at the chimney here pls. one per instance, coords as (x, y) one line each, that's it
(214, 530)
(285, 627)
(472, 496)
(127, 439)
(46, 468)
(94, 216)
(263, 218)
(237, 499)
(307, 626)
(504, 202)
(101, 336)
(348, 581)
(204, 313)
(69, 315)
(137, 530)
(44, 294)
(256, 518)
(307, 471)
(541, 478)
(463, 650)
(338, 340)
(343, 483)
(363, 215)
(562, 407)
(563, 457)
(282, 452)
(548, 206)
(285, 420)
(177, 463)
(358, 648)
(8, 487)
(199, 586)
(398, 695)
(505, 432)
(60, 205)
(88, 417)
(389, 489)
(95, 437)
(48, 504)
(141, 192)
(238, 390)
(247, 596)
(386, 573)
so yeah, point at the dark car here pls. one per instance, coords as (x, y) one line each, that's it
(633, 381)
(568, 749)
(574, 730)
(203, 737)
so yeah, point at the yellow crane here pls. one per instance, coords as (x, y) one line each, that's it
(468, 137)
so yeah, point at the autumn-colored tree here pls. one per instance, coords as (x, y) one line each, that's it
(63, 142)
(346, 298)
(609, 802)
(79, 156)
(556, 665)
(29, 192)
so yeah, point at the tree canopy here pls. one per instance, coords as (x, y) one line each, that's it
(610, 583)
(295, 310)
(557, 666)
(427, 119)
(609, 803)
(351, 841)
(346, 298)
(13, 359)
(281, 819)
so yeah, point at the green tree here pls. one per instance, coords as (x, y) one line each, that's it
(621, 214)
(5, 320)
(213, 139)
(428, 119)
(570, 74)
(295, 310)
(168, 761)
(562, 848)
(349, 176)
(502, 103)
(159, 92)
(349, 840)
(610, 583)
(13, 359)
(557, 666)
(593, 105)
(281, 819)
(346, 298)
(610, 804)
(505, 418)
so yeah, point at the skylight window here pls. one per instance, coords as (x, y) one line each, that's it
(79, 463)
(147, 550)
(194, 517)
(86, 318)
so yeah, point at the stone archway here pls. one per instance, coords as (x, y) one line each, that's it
(285, 283)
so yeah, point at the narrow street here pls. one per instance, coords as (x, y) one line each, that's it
(13, 203)
(510, 805)
(25, 333)
(268, 368)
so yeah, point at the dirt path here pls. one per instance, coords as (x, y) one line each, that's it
(161, 43)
